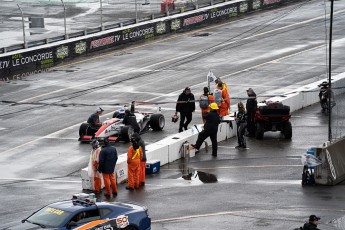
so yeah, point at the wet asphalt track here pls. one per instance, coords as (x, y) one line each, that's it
(258, 188)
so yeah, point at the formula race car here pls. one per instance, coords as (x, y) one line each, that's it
(83, 212)
(272, 116)
(115, 129)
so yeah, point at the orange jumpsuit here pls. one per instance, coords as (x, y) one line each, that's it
(204, 111)
(225, 104)
(133, 161)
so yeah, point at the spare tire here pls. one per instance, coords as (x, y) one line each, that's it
(259, 131)
(126, 133)
(157, 122)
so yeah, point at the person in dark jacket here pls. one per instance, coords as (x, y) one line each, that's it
(185, 106)
(241, 122)
(107, 162)
(210, 129)
(313, 222)
(140, 141)
(94, 120)
(251, 107)
(131, 120)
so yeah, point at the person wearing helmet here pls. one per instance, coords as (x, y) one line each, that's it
(93, 166)
(120, 114)
(212, 120)
(94, 120)
(241, 121)
(107, 162)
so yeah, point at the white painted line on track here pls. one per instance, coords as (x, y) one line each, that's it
(195, 216)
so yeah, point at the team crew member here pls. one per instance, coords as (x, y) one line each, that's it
(185, 106)
(93, 166)
(251, 107)
(204, 102)
(241, 121)
(313, 222)
(94, 120)
(210, 129)
(131, 120)
(141, 143)
(107, 162)
(225, 101)
(225, 86)
(134, 156)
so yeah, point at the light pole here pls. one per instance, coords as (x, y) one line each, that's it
(64, 12)
(102, 28)
(330, 75)
(21, 11)
(167, 7)
(136, 11)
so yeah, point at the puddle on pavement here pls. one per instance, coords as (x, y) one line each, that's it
(204, 177)
(339, 223)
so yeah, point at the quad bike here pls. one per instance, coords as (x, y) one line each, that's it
(272, 116)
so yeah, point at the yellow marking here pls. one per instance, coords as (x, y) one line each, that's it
(54, 211)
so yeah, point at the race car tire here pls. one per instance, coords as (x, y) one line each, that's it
(260, 129)
(157, 122)
(287, 130)
(126, 133)
(83, 129)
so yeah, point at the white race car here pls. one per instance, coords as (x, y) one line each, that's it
(114, 128)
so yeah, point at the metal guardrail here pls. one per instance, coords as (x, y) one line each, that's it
(106, 27)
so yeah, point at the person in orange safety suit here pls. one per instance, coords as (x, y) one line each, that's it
(205, 108)
(93, 166)
(225, 103)
(134, 156)
(141, 143)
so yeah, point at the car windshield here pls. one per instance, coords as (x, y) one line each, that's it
(49, 217)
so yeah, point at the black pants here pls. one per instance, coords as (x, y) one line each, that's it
(185, 116)
(241, 128)
(201, 138)
(251, 124)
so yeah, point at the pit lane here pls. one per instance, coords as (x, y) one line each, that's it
(40, 152)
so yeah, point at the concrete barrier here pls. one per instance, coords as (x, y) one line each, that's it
(332, 169)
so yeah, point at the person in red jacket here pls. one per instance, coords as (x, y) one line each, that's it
(134, 156)
(225, 101)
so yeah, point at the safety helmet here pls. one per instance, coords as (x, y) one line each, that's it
(214, 106)
(174, 118)
(122, 110)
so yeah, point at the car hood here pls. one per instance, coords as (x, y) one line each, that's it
(25, 226)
